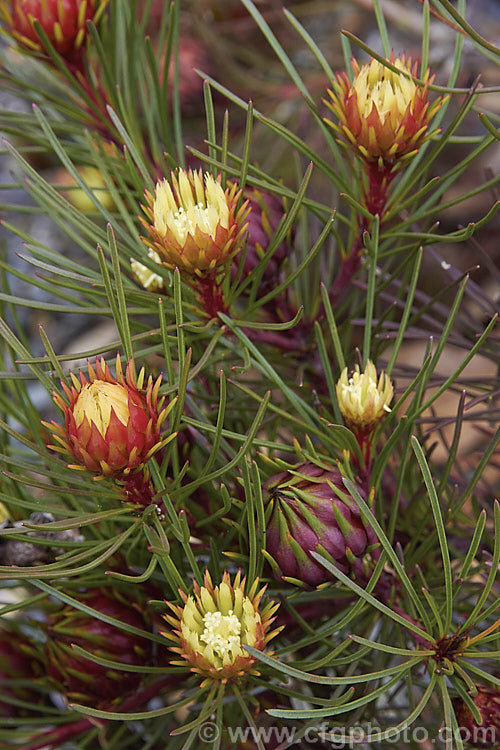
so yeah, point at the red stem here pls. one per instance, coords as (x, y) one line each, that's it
(379, 181)
(210, 295)
(350, 266)
(375, 200)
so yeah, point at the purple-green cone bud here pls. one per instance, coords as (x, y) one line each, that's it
(307, 514)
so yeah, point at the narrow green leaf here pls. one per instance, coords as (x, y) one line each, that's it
(370, 599)
(441, 532)
(138, 715)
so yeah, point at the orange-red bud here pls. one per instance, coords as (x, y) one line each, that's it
(111, 425)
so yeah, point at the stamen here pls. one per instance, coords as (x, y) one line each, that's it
(222, 634)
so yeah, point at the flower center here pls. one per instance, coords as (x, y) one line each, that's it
(358, 384)
(388, 91)
(186, 221)
(193, 208)
(95, 402)
(363, 392)
(222, 634)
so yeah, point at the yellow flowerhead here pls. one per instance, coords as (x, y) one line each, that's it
(363, 399)
(194, 224)
(94, 180)
(213, 626)
(383, 114)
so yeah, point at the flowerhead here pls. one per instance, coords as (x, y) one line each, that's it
(150, 280)
(63, 21)
(94, 180)
(216, 622)
(194, 224)
(308, 510)
(363, 399)
(383, 114)
(111, 424)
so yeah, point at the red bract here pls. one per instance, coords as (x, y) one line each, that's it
(111, 425)
(63, 21)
